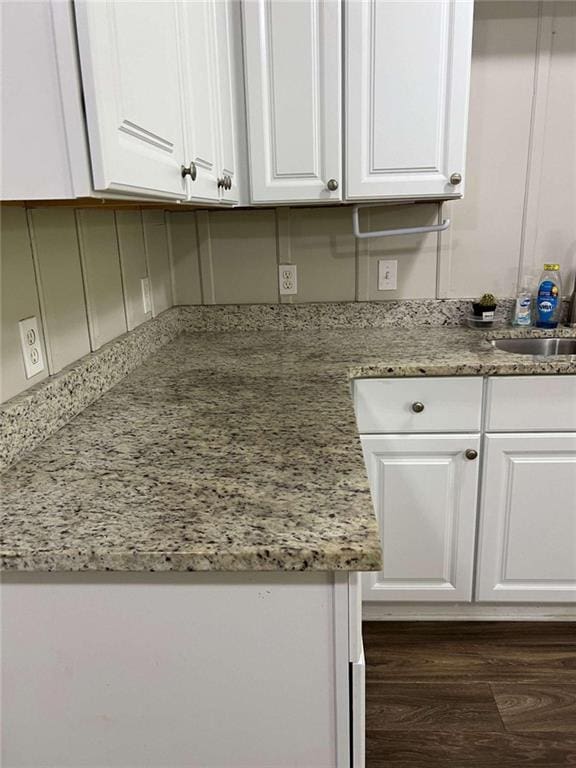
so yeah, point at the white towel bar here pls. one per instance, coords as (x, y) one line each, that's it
(391, 232)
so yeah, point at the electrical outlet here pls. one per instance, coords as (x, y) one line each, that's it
(387, 275)
(146, 299)
(288, 279)
(31, 346)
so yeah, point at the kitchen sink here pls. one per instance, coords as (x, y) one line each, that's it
(549, 346)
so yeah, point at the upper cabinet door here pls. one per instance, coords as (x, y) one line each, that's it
(131, 79)
(228, 34)
(407, 82)
(200, 50)
(293, 82)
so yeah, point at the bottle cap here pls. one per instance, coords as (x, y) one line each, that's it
(552, 267)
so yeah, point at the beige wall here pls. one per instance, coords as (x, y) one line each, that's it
(79, 273)
(80, 270)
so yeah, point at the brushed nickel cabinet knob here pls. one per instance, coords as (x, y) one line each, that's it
(417, 407)
(189, 170)
(471, 454)
(332, 185)
(456, 179)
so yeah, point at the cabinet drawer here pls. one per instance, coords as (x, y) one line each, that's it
(528, 403)
(392, 405)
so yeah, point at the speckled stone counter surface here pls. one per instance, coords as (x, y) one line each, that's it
(227, 451)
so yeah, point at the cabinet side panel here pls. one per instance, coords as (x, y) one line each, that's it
(37, 100)
(171, 670)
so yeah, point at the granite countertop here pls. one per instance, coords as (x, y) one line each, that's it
(227, 451)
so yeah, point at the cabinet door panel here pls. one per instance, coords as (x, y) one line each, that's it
(227, 33)
(200, 104)
(130, 73)
(293, 81)
(424, 492)
(407, 81)
(528, 519)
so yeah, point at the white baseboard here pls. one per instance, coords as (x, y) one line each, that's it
(466, 612)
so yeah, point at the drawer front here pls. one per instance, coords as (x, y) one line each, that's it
(529, 403)
(394, 405)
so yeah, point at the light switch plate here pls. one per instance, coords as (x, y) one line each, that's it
(387, 275)
(31, 345)
(288, 279)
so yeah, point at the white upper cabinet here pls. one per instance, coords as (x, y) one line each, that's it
(171, 87)
(228, 44)
(406, 97)
(207, 118)
(158, 86)
(131, 75)
(44, 149)
(292, 52)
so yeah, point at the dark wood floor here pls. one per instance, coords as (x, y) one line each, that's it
(462, 694)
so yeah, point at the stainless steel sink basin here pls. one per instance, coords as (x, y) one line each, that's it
(550, 346)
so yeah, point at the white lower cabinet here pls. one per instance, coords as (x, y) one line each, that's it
(527, 548)
(424, 489)
(187, 670)
(427, 488)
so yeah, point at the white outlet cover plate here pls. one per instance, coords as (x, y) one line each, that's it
(288, 279)
(387, 275)
(31, 345)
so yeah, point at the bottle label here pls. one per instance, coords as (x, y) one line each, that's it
(547, 301)
(523, 311)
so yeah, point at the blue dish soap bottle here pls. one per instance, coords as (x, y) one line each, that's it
(549, 299)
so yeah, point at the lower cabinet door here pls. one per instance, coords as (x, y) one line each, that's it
(527, 549)
(424, 489)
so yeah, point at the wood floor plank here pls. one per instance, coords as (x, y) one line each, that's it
(393, 664)
(431, 707)
(374, 762)
(529, 707)
(489, 663)
(427, 703)
(556, 664)
(500, 632)
(449, 749)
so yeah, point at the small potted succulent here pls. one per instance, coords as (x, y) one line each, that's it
(485, 308)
